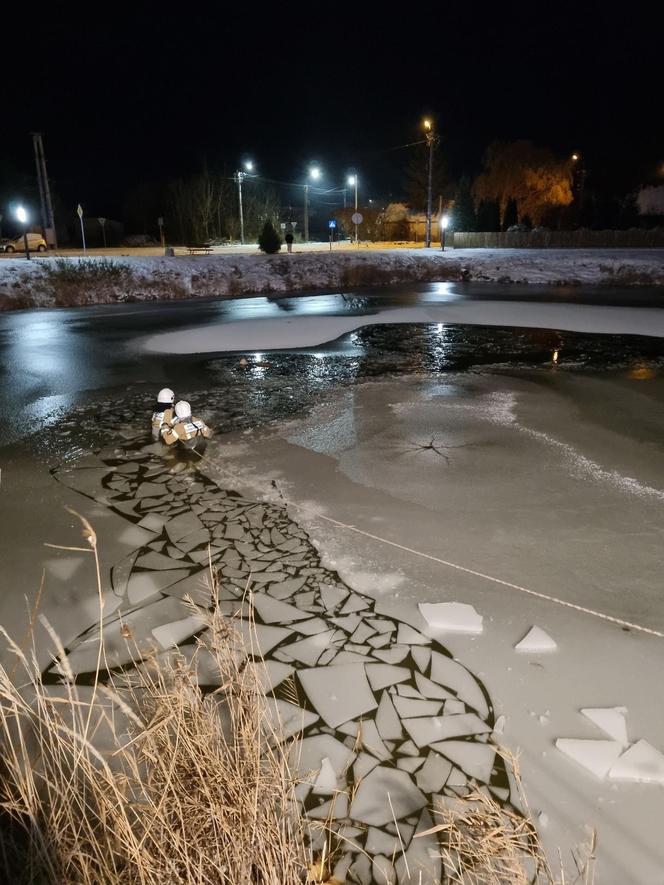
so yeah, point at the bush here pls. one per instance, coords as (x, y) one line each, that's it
(269, 240)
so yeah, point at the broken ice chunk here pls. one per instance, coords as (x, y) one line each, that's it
(326, 781)
(338, 693)
(371, 804)
(595, 756)
(611, 720)
(536, 641)
(641, 763)
(382, 675)
(455, 617)
(475, 759)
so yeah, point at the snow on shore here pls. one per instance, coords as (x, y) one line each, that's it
(47, 282)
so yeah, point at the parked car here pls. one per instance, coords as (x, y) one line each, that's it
(36, 243)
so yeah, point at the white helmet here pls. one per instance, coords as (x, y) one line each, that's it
(183, 409)
(165, 395)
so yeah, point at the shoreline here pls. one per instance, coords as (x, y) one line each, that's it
(71, 282)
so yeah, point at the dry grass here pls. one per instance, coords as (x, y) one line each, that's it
(485, 843)
(146, 779)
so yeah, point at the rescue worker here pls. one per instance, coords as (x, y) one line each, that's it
(163, 414)
(186, 429)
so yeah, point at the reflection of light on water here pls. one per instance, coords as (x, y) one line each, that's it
(642, 372)
(441, 326)
(445, 290)
(554, 358)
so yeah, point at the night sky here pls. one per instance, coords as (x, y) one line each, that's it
(147, 95)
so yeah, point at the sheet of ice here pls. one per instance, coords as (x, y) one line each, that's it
(454, 676)
(339, 693)
(382, 675)
(642, 763)
(453, 617)
(426, 731)
(611, 720)
(169, 635)
(434, 773)
(326, 780)
(387, 720)
(289, 718)
(536, 641)
(308, 650)
(597, 757)
(474, 758)
(371, 805)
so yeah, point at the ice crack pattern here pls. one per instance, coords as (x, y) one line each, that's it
(390, 723)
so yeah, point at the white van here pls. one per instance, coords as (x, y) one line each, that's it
(36, 243)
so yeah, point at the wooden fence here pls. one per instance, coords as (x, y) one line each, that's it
(560, 239)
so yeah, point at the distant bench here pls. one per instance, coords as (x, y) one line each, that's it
(199, 247)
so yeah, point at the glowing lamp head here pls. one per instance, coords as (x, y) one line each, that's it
(314, 173)
(21, 215)
(444, 221)
(575, 157)
(427, 125)
(352, 180)
(249, 166)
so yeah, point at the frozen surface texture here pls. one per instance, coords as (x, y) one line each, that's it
(385, 719)
(536, 641)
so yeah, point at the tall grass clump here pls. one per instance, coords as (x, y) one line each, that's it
(146, 778)
(74, 281)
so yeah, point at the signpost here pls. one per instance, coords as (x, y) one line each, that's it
(332, 225)
(160, 222)
(357, 220)
(102, 221)
(79, 212)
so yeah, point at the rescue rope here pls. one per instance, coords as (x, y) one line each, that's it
(461, 568)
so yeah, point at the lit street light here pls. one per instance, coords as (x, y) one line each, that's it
(240, 175)
(22, 218)
(353, 181)
(444, 224)
(314, 173)
(432, 140)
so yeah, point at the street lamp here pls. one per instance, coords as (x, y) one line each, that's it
(444, 224)
(315, 174)
(353, 181)
(432, 140)
(240, 175)
(22, 218)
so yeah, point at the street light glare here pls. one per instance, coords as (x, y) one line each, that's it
(21, 215)
(249, 166)
(427, 124)
(575, 156)
(444, 221)
(315, 173)
(352, 180)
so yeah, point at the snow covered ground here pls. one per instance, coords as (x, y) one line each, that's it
(440, 491)
(25, 284)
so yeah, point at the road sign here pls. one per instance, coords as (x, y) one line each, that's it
(283, 225)
(160, 221)
(332, 224)
(102, 221)
(357, 218)
(79, 211)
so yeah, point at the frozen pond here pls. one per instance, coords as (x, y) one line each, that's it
(517, 470)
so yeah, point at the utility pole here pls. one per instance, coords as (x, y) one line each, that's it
(306, 213)
(48, 218)
(239, 177)
(432, 140)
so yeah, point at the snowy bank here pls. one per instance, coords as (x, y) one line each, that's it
(49, 282)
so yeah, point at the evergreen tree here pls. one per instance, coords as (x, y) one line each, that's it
(511, 215)
(463, 216)
(269, 240)
(488, 216)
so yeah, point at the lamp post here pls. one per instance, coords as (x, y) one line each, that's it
(432, 140)
(314, 173)
(444, 224)
(240, 175)
(22, 218)
(353, 182)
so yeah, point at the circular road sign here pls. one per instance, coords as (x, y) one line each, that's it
(357, 218)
